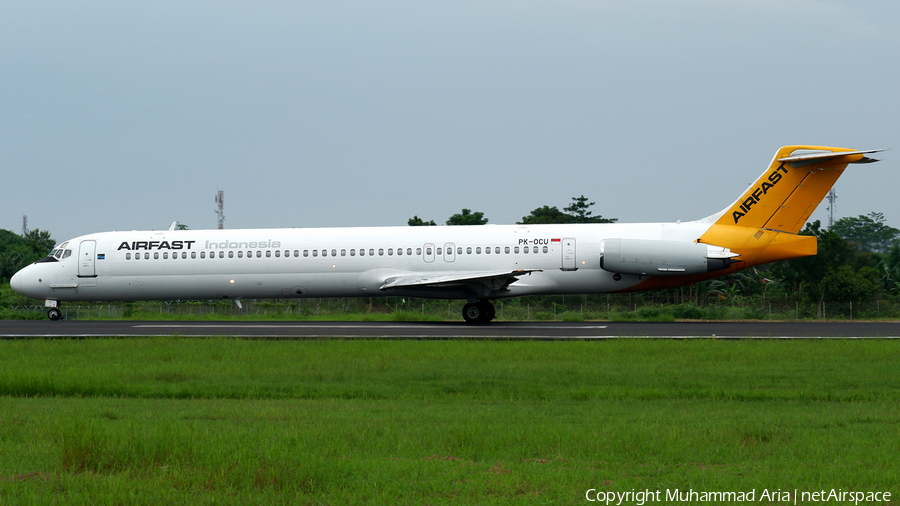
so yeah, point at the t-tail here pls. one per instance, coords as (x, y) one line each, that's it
(762, 225)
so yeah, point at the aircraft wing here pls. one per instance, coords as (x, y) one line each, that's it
(495, 280)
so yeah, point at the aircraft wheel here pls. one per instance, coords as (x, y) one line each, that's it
(491, 312)
(473, 312)
(54, 314)
(478, 312)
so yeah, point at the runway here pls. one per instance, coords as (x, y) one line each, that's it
(18, 329)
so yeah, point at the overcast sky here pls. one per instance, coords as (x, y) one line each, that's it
(130, 115)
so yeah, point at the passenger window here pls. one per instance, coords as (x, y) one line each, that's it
(390, 252)
(546, 249)
(156, 255)
(399, 251)
(306, 252)
(497, 250)
(469, 250)
(127, 256)
(277, 253)
(362, 252)
(371, 252)
(418, 251)
(240, 254)
(296, 253)
(324, 252)
(525, 250)
(343, 252)
(506, 250)
(193, 254)
(487, 250)
(516, 250)
(165, 255)
(221, 254)
(439, 251)
(353, 252)
(231, 254)
(459, 250)
(268, 254)
(534, 250)
(315, 252)
(409, 251)
(334, 252)
(381, 252)
(478, 250)
(287, 253)
(428, 251)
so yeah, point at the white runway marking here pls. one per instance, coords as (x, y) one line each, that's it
(320, 326)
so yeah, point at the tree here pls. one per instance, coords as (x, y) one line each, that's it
(41, 238)
(415, 221)
(544, 215)
(579, 210)
(869, 232)
(181, 226)
(17, 252)
(838, 272)
(467, 217)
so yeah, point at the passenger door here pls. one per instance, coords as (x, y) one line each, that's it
(568, 255)
(86, 258)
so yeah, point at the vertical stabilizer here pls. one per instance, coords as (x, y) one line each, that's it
(787, 193)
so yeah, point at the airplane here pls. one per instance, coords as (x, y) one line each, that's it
(476, 263)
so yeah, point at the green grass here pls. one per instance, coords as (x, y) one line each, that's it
(228, 421)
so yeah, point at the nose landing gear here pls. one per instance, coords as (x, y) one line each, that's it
(478, 312)
(53, 312)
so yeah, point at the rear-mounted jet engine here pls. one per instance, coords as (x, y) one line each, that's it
(646, 257)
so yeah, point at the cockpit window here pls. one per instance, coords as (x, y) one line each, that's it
(67, 253)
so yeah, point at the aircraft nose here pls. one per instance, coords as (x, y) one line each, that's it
(16, 282)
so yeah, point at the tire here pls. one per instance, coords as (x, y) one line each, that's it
(490, 311)
(473, 313)
(54, 314)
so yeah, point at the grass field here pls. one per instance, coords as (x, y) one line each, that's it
(228, 421)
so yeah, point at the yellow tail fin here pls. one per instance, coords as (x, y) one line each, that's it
(787, 193)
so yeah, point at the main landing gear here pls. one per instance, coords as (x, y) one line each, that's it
(478, 312)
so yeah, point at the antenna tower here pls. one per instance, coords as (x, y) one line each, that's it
(220, 199)
(832, 196)
(24, 225)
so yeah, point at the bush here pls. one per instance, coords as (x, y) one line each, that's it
(688, 312)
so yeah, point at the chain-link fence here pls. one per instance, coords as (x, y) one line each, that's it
(620, 307)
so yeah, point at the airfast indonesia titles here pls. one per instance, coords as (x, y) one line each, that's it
(179, 245)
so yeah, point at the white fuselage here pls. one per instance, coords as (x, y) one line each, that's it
(335, 262)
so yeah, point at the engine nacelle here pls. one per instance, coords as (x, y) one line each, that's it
(662, 258)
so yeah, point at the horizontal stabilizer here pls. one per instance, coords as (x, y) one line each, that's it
(801, 159)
